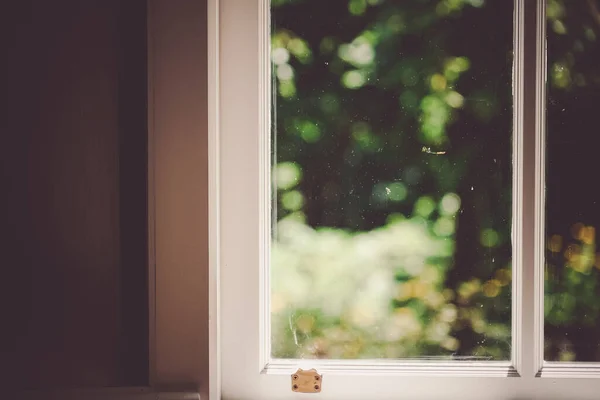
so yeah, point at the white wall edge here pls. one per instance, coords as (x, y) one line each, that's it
(214, 222)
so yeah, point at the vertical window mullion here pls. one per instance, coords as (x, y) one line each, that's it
(539, 85)
(528, 282)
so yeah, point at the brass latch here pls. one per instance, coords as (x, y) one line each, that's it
(308, 381)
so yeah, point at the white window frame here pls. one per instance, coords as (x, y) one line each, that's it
(239, 168)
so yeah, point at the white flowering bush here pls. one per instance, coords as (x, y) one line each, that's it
(376, 294)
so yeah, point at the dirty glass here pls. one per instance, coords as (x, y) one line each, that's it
(392, 179)
(572, 286)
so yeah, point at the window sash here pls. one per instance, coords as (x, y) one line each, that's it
(243, 167)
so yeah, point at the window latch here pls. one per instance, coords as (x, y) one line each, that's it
(309, 381)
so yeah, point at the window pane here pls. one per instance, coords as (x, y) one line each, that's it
(392, 167)
(572, 292)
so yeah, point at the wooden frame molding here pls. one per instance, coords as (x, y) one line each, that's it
(177, 210)
(141, 393)
(178, 205)
(178, 239)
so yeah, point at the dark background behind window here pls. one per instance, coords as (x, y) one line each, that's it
(572, 307)
(73, 170)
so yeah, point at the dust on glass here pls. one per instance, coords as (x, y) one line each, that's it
(392, 174)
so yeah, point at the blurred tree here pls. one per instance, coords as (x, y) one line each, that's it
(386, 110)
(572, 304)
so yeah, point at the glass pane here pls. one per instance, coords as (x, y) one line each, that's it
(392, 167)
(572, 292)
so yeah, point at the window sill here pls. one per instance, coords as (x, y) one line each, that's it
(106, 394)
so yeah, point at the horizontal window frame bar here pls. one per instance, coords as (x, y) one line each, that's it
(499, 369)
(557, 369)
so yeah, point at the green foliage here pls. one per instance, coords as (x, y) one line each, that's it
(572, 289)
(379, 294)
(370, 101)
(393, 179)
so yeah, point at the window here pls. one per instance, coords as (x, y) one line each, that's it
(396, 186)
(572, 259)
(392, 167)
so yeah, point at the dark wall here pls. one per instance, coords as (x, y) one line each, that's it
(73, 170)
